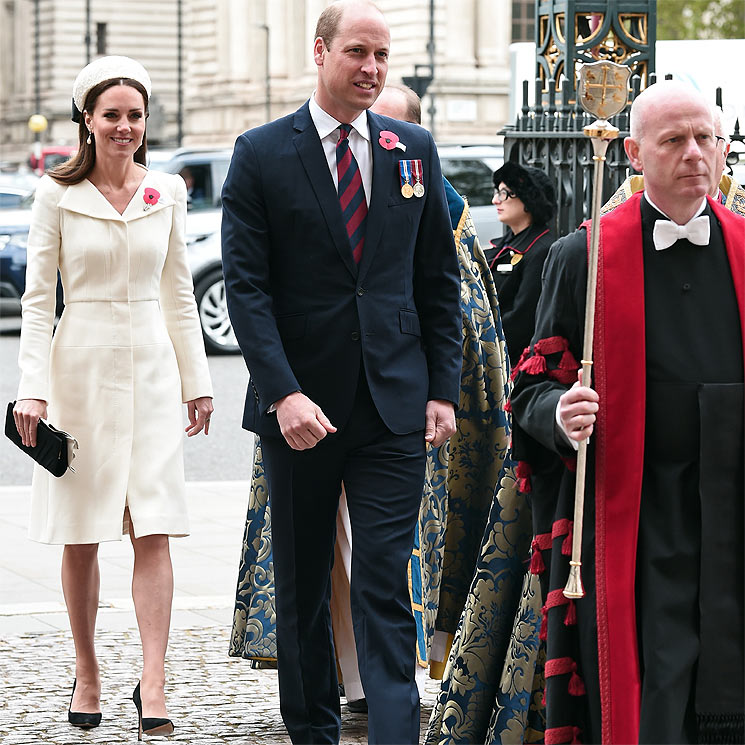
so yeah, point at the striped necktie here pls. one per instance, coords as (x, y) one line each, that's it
(351, 193)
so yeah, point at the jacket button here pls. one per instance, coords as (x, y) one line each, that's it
(360, 291)
(355, 336)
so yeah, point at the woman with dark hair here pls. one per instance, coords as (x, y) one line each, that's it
(127, 351)
(525, 202)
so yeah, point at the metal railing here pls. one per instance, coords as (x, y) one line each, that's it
(549, 136)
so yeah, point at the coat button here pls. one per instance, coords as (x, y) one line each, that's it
(360, 291)
(686, 286)
(355, 336)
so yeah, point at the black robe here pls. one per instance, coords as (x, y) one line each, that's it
(688, 584)
(516, 263)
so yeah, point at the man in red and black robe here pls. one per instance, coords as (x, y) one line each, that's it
(653, 652)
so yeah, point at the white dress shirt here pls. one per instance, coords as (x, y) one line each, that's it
(359, 142)
(698, 211)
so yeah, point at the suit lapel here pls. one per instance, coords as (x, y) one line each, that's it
(383, 162)
(314, 162)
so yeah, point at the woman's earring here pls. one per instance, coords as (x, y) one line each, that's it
(88, 141)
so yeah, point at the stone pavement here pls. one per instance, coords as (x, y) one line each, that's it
(212, 698)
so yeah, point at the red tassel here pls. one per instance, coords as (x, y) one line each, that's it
(570, 619)
(536, 560)
(523, 472)
(508, 406)
(543, 697)
(567, 362)
(576, 685)
(576, 732)
(536, 365)
(543, 633)
(566, 546)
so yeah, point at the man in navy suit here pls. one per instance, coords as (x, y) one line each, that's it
(343, 289)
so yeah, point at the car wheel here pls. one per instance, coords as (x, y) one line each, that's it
(213, 314)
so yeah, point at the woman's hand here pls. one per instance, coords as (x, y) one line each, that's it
(200, 411)
(26, 414)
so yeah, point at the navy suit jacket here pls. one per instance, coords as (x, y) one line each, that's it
(305, 315)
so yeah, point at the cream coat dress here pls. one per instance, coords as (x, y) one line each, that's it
(127, 352)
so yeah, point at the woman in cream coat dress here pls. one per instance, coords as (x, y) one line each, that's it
(127, 352)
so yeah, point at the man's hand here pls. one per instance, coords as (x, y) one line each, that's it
(439, 421)
(577, 408)
(302, 423)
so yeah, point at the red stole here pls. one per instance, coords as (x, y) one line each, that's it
(620, 379)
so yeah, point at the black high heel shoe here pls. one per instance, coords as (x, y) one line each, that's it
(80, 718)
(150, 726)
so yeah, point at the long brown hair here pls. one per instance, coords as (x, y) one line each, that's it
(81, 164)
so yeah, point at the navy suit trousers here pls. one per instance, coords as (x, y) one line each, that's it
(383, 475)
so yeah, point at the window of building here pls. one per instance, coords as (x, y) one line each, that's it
(523, 20)
(100, 38)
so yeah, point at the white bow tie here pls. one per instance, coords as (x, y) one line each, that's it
(666, 232)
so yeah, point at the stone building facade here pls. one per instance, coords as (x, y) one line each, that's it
(138, 28)
(225, 62)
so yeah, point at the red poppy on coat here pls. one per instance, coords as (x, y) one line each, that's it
(388, 140)
(151, 196)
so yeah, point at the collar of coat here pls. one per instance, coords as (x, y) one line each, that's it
(85, 199)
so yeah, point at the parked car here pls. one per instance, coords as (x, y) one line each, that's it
(51, 156)
(469, 169)
(205, 262)
(12, 265)
(14, 224)
(12, 197)
(204, 170)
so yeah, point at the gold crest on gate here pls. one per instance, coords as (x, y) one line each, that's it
(603, 88)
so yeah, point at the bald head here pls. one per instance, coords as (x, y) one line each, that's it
(399, 102)
(659, 96)
(672, 143)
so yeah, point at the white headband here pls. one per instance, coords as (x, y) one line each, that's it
(107, 68)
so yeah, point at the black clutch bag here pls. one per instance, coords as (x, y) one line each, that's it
(54, 448)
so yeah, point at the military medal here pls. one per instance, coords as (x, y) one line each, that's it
(407, 191)
(418, 188)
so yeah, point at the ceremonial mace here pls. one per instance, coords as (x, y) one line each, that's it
(602, 92)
